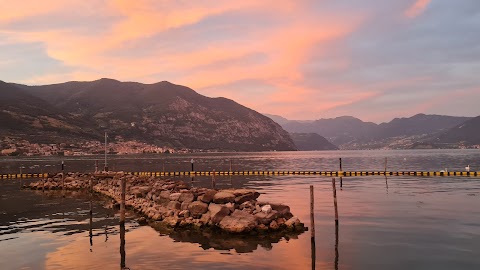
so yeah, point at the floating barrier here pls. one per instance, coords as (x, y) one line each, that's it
(270, 173)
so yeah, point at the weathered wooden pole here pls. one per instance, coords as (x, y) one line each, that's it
(213, 179)
(335, 200)
(386, 166)
(312, 225)
(63, 179)
(96, 166)
(230, 165)
(341, 178)
(191, 161)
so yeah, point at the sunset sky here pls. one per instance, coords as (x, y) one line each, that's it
(373, 59)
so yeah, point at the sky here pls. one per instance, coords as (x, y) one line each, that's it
(302, 59)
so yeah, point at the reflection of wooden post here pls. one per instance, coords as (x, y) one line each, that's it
(312, 225)
(312, 216)
(91, 223)
(122, 224)
(335, 200)
(336, 246)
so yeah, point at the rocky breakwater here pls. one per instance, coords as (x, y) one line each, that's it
(176, 204)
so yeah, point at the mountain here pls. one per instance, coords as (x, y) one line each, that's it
(163, 114)
(417, 125)
(467, 133)
(340, 131)
(352, 133)
(25, 115)
(311, 142)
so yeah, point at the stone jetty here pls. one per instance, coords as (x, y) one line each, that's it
(175, 204)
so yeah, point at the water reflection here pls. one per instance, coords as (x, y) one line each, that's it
(215, 239)
(336, 247)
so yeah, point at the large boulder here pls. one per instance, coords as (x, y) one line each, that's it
(238, 222)
(186, 197)
(223, 197)
(175, 196)
(197, 209)
(208, 196)
(247, 197)
(217, 212)
(265, 218)
(174, 205)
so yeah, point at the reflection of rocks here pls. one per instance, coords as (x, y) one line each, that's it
(232, 210)
(213, 238)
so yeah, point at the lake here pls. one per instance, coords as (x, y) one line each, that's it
(397, 222)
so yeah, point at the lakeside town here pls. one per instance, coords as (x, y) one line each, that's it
(10, 146)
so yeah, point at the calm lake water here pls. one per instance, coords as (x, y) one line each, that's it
(394, 223)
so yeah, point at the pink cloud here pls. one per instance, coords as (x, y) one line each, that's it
(417, 8)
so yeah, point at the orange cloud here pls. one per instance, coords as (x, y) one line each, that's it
(417, 8)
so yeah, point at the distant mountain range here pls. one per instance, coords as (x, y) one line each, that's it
(311, 142)
(418, 131)
(161, 114)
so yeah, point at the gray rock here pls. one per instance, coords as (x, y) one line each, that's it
(186, 197)
(247, 197)
(208, 196)
(223, 197)
(273, 225)
(264, 218)
(217, 212)
(294, 221)
(197, 209)
(238, 222)
(205, 218)
(185, 205)
(174, 196)
(174, 205)
(165, 194)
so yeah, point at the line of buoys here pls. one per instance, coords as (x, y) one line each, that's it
(274, 173)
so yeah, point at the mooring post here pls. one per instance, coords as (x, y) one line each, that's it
(213, 179)
(91, 222)
(96, 166)
(312, 225)
(191, 161)
(63, 179)
(386, 165)
(230, 165)
(335, 200)
(341, 178)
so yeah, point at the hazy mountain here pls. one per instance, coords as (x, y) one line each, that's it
(165, 114)
(351, 133)
(467, 133)
(417, 125)
(311, 142)
(340, 130)
(24, 115)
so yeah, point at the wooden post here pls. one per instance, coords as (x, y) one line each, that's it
(213, 179)
(312, 230)
(63, 179)
(230, 165)
(385, 166)
(335, 200)
(96, 166)
(341, 178)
